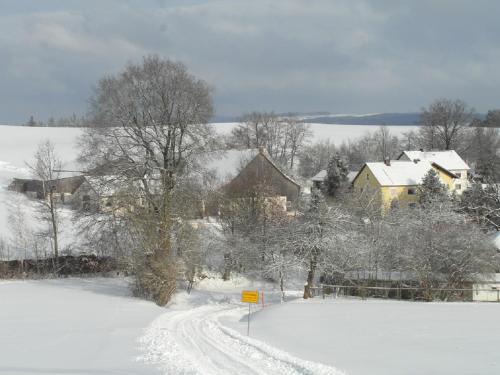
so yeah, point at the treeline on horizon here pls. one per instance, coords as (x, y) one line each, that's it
(490, 119)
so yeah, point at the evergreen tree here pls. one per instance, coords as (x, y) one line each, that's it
(336, 175)
(432, 190)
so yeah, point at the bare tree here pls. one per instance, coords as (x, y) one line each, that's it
(148, 121)
(282, 137)
(46, 168)
(444, 123)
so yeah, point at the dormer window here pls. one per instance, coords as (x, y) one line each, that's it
(412, 191)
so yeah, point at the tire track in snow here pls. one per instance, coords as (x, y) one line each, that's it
(194, 342)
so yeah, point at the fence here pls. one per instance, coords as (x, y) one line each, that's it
(68, 265)
(403, 292)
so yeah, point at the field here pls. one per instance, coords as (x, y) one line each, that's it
(93, 326)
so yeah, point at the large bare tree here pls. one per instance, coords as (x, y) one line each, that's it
(148, 121)
(283, 137)
(444, 123)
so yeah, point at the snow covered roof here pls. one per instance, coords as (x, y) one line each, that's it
(105, 186)
(228, 164)
(399, 172)
(448, 159)
(320, 176)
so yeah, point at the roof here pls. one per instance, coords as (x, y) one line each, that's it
(228, 164)
(105, 186)
(400, 172)
(448, 159)
(60, 185)
(321, 175)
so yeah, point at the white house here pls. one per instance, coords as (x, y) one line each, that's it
(448, 160)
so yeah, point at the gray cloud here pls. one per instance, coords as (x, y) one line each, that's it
(341, 56)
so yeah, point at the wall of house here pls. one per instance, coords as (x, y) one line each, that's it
(486, 292)
(446, 179)
(460, 184)
(399, 195)
(395, 195)
(366, 182)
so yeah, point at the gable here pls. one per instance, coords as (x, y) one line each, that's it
(262, 175)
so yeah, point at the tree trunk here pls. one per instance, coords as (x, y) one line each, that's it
(310, 278)
(53, 218)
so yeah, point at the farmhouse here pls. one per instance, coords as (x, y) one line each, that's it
(319, 178)
(449, 160)
(63, 188)
(396, 182)
(98, 193)
(261, 173)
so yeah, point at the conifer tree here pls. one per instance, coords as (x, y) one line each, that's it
(432, 190)
(336, 175)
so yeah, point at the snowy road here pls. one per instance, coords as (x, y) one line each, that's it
(194, 342)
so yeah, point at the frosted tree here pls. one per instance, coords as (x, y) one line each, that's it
(432, 190)
(444, 124)
(336, 175)
(482, 204)
(46, 167)
(148, 120)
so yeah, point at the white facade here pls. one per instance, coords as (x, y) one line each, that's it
(488, 291)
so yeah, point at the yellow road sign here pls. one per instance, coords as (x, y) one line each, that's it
(250, 296)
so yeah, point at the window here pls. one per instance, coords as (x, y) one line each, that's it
(367, 176)
(458, 186)
(412, 191)
(459, 174)
(412, 205)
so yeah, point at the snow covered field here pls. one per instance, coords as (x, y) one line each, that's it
(93, 326)
(378, 337)
(336, 133)
(72, 326)
(17, 147)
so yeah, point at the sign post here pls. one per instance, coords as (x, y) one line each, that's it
(250, 296)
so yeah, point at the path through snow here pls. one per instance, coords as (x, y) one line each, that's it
(194, 342)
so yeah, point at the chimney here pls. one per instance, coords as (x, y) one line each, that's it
(416, 160)
(387, 162)
(421, 150)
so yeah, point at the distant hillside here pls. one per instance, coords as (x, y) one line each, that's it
(389, 119)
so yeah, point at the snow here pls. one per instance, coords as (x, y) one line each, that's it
(496, 240)
(383, 337)
(227, 164)
(449, 159)
(17, 147)
(399, 173)
(335, 133)
(194, 342)
(72, 326)
(93, 326)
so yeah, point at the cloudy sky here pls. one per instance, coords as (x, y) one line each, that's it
(342, 56)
